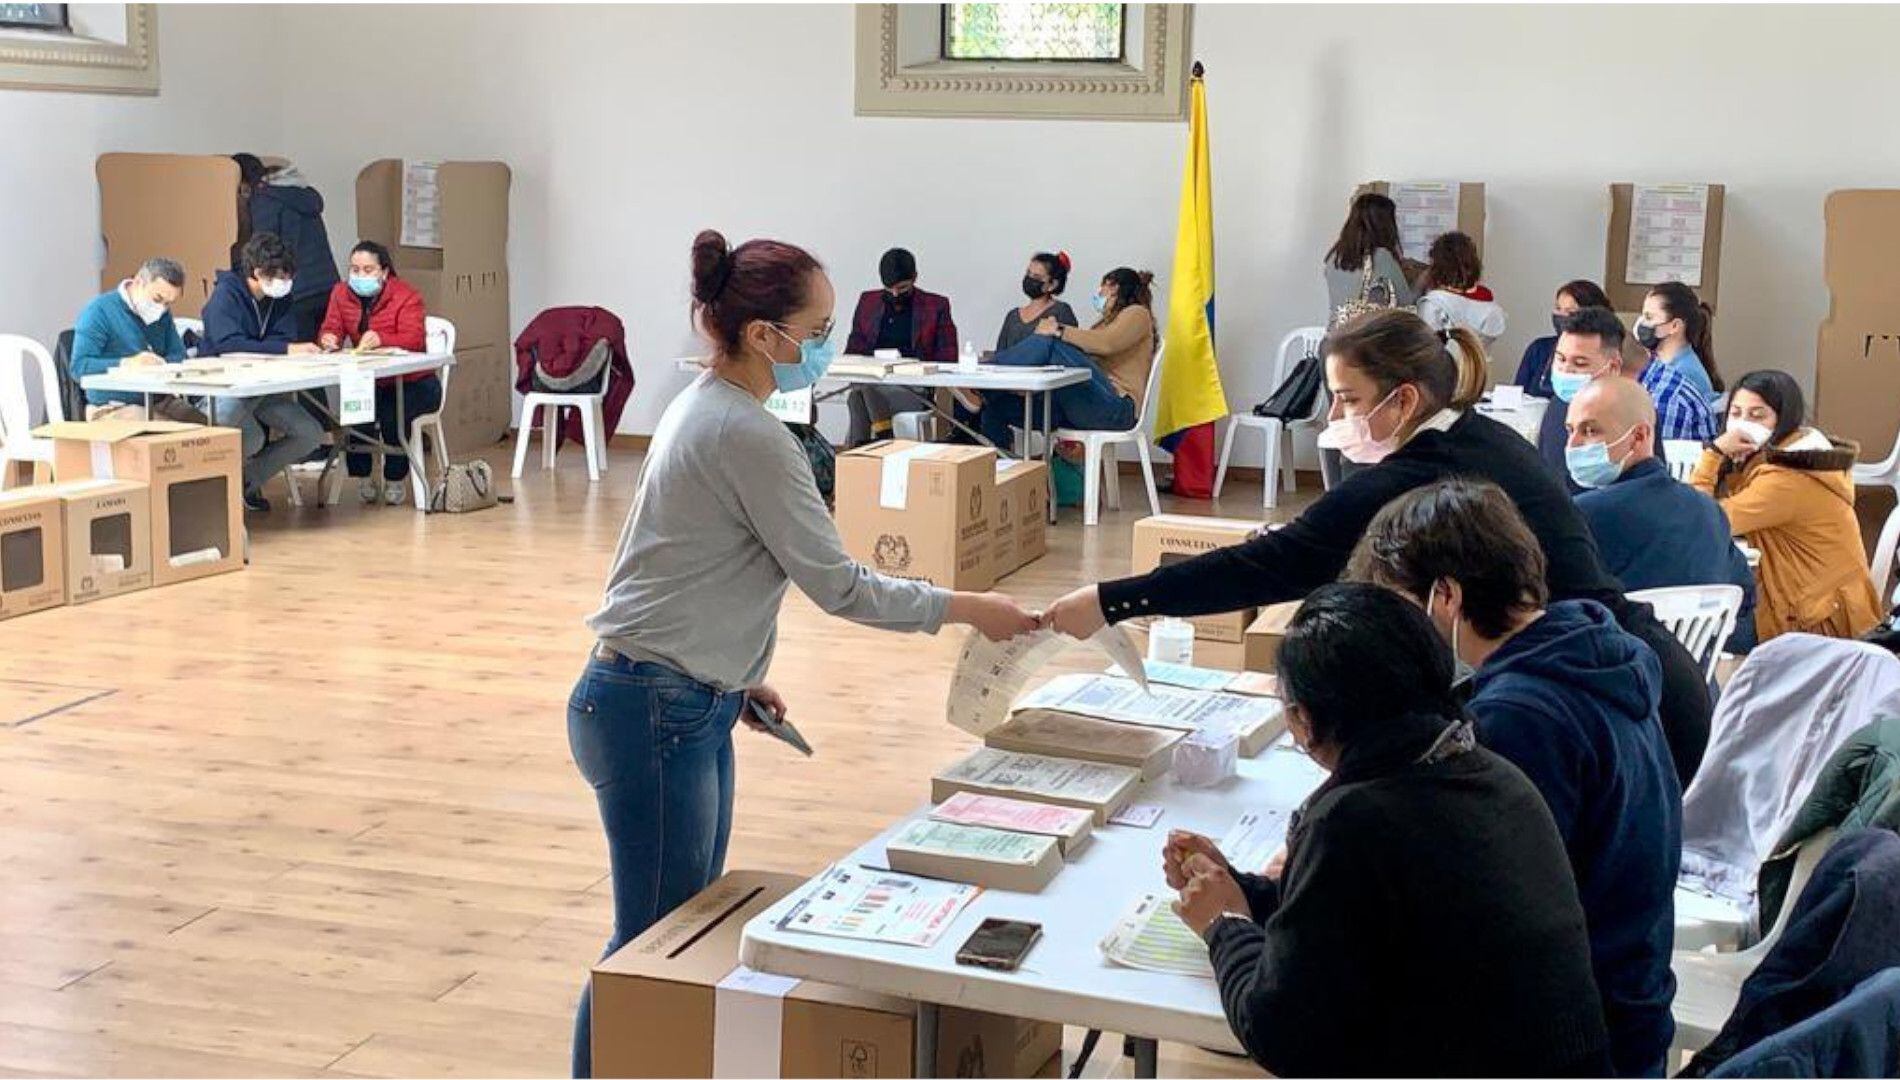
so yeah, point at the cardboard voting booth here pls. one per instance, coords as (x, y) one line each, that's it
(32, 547)
(1857, 365)
(920, 510)
(1663, 232)
(1429, 208)
(446, 227)
(180, 206)
(194, 475)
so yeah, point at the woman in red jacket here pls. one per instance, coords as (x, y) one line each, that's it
(375, 309)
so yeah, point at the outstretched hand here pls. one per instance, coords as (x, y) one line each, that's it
(1078, 614)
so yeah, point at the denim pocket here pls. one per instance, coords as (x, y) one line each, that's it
(685, 708)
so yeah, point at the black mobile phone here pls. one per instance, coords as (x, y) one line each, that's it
(1000, 944)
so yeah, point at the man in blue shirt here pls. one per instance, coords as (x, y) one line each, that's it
(132, 325)
(1652, 531)
(1589, 346)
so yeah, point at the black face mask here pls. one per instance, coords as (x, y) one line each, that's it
(899, 301)
(1557, 321)
(1033, 287)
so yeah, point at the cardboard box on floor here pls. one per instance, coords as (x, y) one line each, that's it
(1020, 522)
(32, 552)
(1165, 539)
(194, 474)
(1265, 634)
(1857, 366)
(181, 206)
(1470, 211)
(920, 510)
(108, 528)
(664, 1006)
(464, 280)
(1627, 296)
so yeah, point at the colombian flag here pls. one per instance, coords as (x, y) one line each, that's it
(1191, 398)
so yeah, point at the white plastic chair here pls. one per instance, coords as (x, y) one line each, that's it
(1681, 455)
(439, 334)
(593, 426)
(1881, 563)
(1099, 453)
(17, 443)
(1278, 434)
(1701, 616)
(1886, 471)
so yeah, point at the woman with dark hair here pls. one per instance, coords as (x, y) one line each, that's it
(1676, 329)
(1368, 239)
(280, 201)
(1118, 351)
(1043, 281)
(1533, 371)
(1425, 897)
(1789, 488)
(1402, 399)
(377, 310)
(725, 517)
(1452, 290)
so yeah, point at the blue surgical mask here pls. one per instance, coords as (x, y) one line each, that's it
(1590, 464)
(814, 359)
(1567, 385)
(1100, 302)
(365, 285)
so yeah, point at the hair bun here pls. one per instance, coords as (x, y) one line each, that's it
(712, 265)
(1063, 258)
(1147, 276)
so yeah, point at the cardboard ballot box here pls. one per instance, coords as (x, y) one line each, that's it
(194, 476)
(1170, 538)
(1020, 523)
(32, 568)
(920, 510)
(108, 548)
(1265, 634)
(675, 1002)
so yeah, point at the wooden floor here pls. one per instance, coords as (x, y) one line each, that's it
(319, 817)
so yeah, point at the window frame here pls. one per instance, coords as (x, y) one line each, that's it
(63, 26)
(106, 49)
(1120, 57)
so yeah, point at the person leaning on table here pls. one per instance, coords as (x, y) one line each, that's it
(374, 310)
(132, 326)
(1425, 922)
(726, 514)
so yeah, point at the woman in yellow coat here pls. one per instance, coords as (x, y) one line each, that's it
(1787, 488)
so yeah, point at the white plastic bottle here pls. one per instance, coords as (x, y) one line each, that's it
(967, 358)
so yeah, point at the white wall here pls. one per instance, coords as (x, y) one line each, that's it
(629, 128)
(219, 68)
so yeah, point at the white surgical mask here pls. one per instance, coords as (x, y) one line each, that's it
(1461, 672)
(148, 310)
(1758, 435)
(276, 288)
(1352, 436)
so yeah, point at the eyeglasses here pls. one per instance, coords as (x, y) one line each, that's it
(822, 334)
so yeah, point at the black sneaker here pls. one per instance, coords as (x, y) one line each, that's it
(255, 500)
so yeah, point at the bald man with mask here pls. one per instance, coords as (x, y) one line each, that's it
(1651, 529)
(1589, 346)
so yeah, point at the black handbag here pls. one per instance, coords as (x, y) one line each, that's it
(819, 452)
(1297, 394)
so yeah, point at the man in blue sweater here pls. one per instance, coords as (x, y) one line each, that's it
(250, 312)
(132, 325)
(1571, 700)
(1651, 530)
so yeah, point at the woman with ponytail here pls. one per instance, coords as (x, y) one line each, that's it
(1402, 396)
(1677, 329)
(726, 514)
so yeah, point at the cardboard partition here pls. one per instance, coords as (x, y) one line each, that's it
(180, 206)
(108, 549)
(920, 511)
(32, 547)
(1857, 381)
(1628, 296)
(1165, 539)
(674, 1002)
(1264, 635)
(1858, 263)
(195, 479)
(1470, 219)
(1020, 522)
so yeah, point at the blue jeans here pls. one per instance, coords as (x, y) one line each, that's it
(657, 747)
(1095, 405)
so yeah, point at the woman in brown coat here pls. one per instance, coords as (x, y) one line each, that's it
(1788, 489)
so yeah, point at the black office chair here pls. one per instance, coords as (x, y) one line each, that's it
(72, 399)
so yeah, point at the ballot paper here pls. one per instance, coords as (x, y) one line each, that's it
(1110, 698)
(1254, 839)
(878, 905)
(990, 674)
(1185, 676)
(1667, 227)
(1151, 937)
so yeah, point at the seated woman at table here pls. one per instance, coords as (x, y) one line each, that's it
(1118, 351)
(373, 310)
(1426, 922)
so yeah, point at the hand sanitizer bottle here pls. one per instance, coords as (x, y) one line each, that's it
(967, 358)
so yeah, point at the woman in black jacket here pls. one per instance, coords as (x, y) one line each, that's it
(1400, 406)
(1426, 922)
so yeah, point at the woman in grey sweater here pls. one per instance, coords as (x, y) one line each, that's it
(725, 516)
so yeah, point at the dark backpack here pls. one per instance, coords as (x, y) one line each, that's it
(819, 452)
(1297, 394)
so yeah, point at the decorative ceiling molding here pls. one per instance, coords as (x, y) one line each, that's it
(44, 61)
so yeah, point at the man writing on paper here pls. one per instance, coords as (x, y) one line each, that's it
(250, 312)
(132, 326)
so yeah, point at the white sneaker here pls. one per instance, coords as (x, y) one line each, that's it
(366, 489)
(396, 492)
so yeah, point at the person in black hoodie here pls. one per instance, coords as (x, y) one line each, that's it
(1569, 698)
(280, 201)
(1400, 406)
(249, 312)
(1426, 922)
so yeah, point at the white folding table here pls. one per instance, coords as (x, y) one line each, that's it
(1065, 978)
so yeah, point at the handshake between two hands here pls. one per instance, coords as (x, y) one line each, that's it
(999, 617)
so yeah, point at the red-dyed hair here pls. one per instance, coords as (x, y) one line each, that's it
(760, 279)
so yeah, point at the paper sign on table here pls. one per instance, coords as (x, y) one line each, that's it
(990, 674)
(1139, 815)
(878, 905)
(1151, 937)
(790, 406)
(356, 395)
(1251, 843)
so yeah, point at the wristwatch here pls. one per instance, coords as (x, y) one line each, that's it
(1221, 918)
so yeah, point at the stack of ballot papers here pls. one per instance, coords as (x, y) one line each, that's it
(1070, 826)
(1087, 785)
(1056, 734)
(1254, 721)
(974, 855)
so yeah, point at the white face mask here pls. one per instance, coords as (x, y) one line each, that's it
(148, 310)
(1758, 435)
(275, 288)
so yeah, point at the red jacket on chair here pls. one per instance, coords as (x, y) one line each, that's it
(395, 313)
(560, 339)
